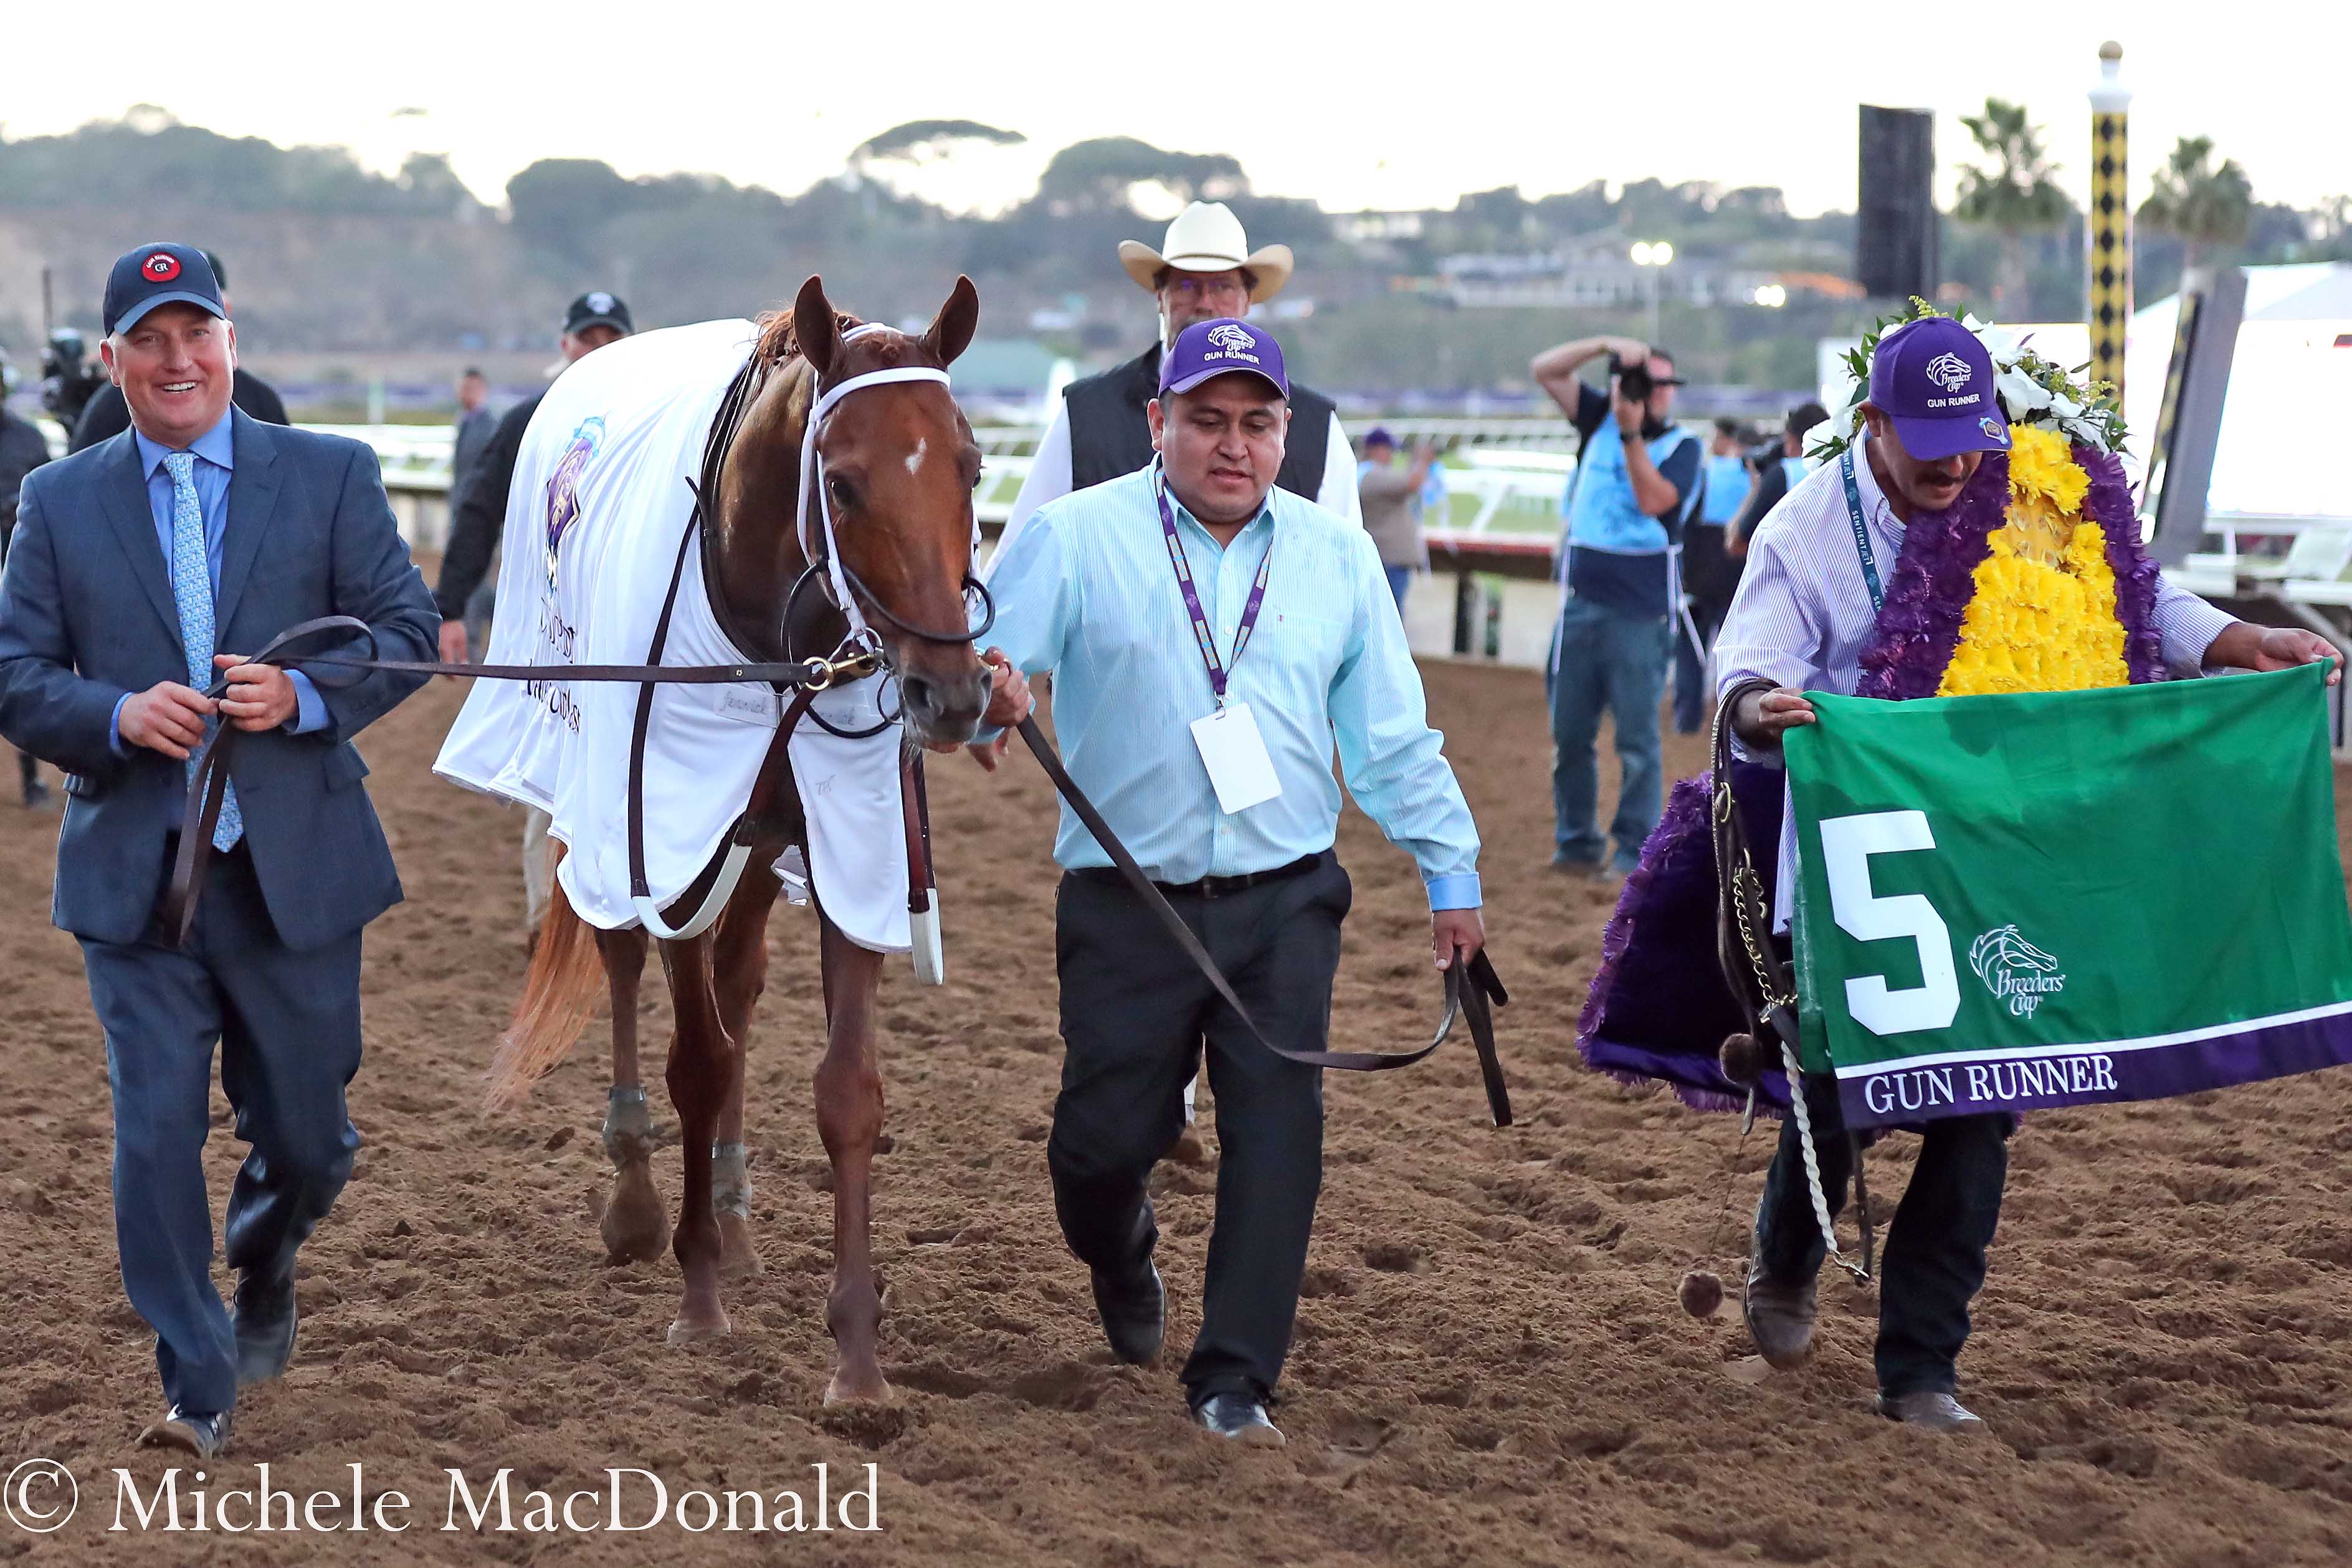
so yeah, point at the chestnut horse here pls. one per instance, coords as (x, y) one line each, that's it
(904, 531)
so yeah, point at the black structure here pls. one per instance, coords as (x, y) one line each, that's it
(1895, 238)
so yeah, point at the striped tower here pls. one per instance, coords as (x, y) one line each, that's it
(2110, 236)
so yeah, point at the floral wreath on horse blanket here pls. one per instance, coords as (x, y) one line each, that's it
(2033, 580)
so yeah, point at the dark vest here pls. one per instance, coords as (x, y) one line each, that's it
(1111, 432)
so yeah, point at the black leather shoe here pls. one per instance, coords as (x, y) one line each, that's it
(1241, 1418)
(205, 1436)
(1134, 1312)
(265, 1318)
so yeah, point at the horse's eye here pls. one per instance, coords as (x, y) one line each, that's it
(841, 494)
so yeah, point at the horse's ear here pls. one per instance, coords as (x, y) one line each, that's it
(815, 327)
(950, 331)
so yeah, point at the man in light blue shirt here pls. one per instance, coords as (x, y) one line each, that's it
(1210, 638)
(215, 462)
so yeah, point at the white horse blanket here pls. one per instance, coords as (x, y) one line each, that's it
(599, 507)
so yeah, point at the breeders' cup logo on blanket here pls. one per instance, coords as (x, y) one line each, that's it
(2015, 970)
(563, 487)
(1949, 371)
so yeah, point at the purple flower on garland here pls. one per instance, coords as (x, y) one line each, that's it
(2109, 504)
(1934, 579)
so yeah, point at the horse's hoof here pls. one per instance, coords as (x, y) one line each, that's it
(737, 1261)
(636, 1226)
(685, 1331)
(862, 1388)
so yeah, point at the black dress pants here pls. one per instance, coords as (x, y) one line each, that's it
(1135, 1015)
(1934, 1262)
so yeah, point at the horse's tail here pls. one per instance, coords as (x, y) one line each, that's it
(559, 996)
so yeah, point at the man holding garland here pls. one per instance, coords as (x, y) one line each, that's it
(1813, 614)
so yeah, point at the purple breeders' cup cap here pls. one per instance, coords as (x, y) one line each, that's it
(1936, 382)
(1210, 349)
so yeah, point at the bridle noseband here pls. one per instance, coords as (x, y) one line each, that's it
(848, 594)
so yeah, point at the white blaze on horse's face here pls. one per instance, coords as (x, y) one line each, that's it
(915, 458)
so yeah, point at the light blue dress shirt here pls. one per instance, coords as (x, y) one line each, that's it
(215, 461)
(1086, 591)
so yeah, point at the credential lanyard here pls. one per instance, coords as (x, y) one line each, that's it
(1861, 532)
(1218, 669)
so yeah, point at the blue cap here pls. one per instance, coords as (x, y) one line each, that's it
(1379, 437)
(1209, 349)
(1936, 382)
(159, 275)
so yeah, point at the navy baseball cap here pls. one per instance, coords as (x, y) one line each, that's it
(159, 275)
(1936, 382)
(1209, 349)
(598, 308)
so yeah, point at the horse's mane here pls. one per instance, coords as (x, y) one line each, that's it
(777, 340)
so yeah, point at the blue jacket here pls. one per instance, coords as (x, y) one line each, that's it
(87, 614)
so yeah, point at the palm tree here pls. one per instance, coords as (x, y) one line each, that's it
(2199, 204)
(2015, 195)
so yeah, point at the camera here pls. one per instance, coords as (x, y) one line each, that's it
(1632, 381)
(68, 380)
(1764, 454)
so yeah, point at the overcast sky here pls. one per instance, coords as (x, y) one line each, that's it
(1367, 105)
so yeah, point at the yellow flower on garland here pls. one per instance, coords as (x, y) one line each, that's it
(2042, 618)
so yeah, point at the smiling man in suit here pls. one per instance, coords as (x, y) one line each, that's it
(140, 567)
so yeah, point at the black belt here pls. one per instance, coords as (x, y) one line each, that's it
(1207, 886)
(1472, 989)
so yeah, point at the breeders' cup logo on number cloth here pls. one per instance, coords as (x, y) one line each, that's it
(1949, 371)
(2015, 970)
(563, 486)
(1233, 342)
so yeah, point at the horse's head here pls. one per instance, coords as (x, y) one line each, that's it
(899, 465)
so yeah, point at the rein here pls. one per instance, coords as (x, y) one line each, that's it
(1472, 989)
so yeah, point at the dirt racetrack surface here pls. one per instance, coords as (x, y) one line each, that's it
(1490, 1366)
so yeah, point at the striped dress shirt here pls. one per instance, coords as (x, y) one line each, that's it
(1802, 615)
(1086, 591)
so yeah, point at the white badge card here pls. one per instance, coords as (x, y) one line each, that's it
(1235, 755)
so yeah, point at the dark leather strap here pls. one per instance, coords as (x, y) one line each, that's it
(1467, 995)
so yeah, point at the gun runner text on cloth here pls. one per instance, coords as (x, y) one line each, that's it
(2013, 901)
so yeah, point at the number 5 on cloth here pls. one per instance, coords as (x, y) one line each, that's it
(1235, 755)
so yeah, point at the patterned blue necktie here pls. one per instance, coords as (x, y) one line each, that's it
(192, 590)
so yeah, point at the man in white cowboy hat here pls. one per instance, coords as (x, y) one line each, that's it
(1204, 269)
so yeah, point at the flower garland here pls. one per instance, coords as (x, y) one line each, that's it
(1936, 581)
(2034, 392)
(2042, 618)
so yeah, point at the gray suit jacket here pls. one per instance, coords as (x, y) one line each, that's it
(87, 614)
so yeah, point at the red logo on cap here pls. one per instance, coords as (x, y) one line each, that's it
(161, 267)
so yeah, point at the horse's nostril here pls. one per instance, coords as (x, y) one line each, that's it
(921, 694)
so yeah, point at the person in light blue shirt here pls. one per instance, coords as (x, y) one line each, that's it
(1193, 599)
(215, 461)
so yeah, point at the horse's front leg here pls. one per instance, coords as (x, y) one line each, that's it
(741, 973)
(701, 1062)
(849, 1119)
(635, 1227)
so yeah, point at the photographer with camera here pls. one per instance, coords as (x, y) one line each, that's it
(69, 379)
(1778, 466)
(1636, 474)
(22, 450)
